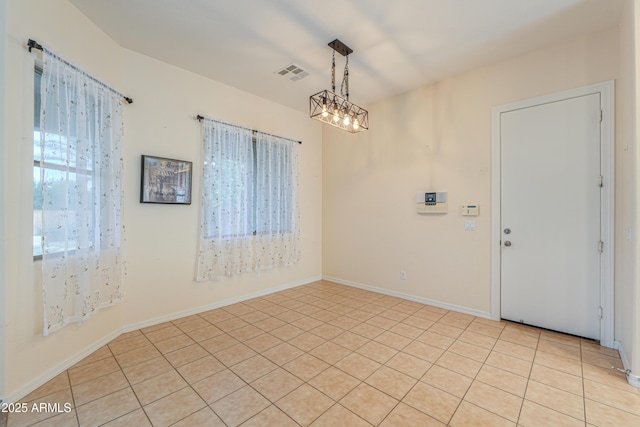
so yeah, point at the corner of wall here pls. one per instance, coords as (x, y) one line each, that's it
(3, 61)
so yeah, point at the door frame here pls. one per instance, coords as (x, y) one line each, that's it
(607, 162)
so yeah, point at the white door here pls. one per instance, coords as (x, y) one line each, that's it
(550, 215)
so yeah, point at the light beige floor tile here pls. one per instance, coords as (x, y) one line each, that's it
(423, 351)
(334, 383)
(201, 368)
(367, 331)
(107, 408)
(601, 360)
(219, 343)
(193, 324)
(146, 370)
(607, 376)
(459, 320)
(432, 401)
(614, 397)
(559, 349)
(203, 334)
(276, 384)
(446, 330)
(392, 382)
(69, 419)
(478, 339)
(61, 400)
(607, 416)
(101, 353)
(322, 315)
(460, 364)
(350, 340)
(234, 355)
(282, 353)
(407, 331)
(306, 366)
(263, 342)
(515, 350)
(174, 343)
(58, 383)
(564, 364)
(559, 338)
(330, 352)
(101, 386)
(239, 406)
(307, 341)
(517, 337)
(134, 357)
(254, 368)
(494, 400)
(446, 380)
(231, 324)
(287, 332)
(327, 331)
(480, 328)
(503, 380)
(470, 415)
(377, 351)
(173, 408)
(587, 345)
(408, 364)
(393, 340)
(533, 415)
(137, 418)
(339, 416)
(380, 322)
(357, 366)
(509, 364)
(404, 415)
(81, 374)
(307, 323)
(304, 404)
(272, 416)
(122, 346)
(158, 387)
(369, 403)
(218, 386)
(163, 334)
(205, 417)
(557, 379)
(186, 355)
(559, 400)
(470, 350)
(418, 322)
(292, 315)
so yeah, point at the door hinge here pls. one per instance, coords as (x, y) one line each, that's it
(601, 246)
(601, 181)
(600, 312)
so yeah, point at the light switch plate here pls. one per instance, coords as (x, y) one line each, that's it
(470, 225)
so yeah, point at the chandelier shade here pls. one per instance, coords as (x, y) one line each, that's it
(336, 110)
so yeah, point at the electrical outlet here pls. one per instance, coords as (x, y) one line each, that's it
(403, 275)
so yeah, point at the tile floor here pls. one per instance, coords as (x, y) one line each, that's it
(324, 354)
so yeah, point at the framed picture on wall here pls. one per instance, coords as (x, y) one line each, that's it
(165, 181)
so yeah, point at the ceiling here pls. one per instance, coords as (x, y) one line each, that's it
(398, 45)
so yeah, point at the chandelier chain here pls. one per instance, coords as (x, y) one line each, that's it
(333, 73)
(344, 88)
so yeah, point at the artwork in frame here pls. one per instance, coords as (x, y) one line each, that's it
(165, 181)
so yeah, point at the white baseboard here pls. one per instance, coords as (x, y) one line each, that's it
(446, 306)
(223, 303)
(633, 380)
(52, 373)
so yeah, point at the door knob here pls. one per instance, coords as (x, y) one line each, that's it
(507, 243)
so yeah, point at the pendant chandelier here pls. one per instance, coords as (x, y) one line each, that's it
(336, 110)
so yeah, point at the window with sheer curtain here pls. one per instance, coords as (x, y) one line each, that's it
(79, 198)
(250, 215)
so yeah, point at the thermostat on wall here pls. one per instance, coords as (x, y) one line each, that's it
(469, 210)
(432, 202)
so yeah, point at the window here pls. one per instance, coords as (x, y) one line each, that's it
(249, 201)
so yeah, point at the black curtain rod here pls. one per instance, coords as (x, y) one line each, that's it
(201, 118)
(32, 44)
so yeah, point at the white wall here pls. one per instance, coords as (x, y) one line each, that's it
(161, 240)
(436, 138)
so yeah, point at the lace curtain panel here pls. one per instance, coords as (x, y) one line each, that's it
(249, 217)
(81, 180)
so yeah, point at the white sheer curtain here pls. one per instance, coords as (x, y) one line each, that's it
(81, 177)
(249, 216)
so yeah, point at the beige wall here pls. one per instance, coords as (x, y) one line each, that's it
(3, 178)
(161, 240)
(436, 138)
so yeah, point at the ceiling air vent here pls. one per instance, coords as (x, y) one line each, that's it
(292, 72)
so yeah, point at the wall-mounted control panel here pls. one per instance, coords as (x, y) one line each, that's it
(469, 210)
(432, 202)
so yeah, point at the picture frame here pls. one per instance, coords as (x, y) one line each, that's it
(165, 181)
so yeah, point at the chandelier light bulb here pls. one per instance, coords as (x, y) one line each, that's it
(355, 124)
(335, 117)
(346, 120)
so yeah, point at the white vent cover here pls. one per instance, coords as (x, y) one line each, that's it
(292, 72)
